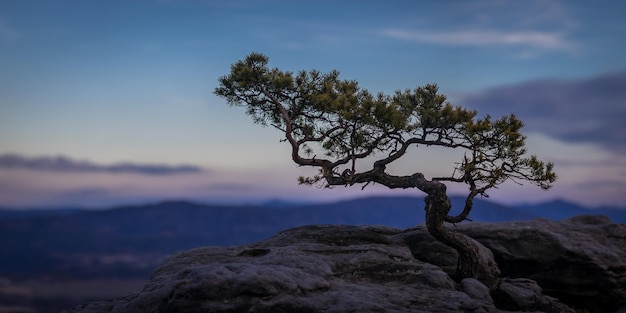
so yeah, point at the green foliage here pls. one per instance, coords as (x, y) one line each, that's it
(331, 123)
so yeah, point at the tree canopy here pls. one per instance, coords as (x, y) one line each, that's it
(334, 124)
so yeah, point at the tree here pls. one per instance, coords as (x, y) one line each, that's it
(351, 136)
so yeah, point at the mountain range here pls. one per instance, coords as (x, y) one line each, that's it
(61, 244)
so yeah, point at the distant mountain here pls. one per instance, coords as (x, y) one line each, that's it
(130, 241)
(560, 209)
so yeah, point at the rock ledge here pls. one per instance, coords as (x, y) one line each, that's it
(335, 268)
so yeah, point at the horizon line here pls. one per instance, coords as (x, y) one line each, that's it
(275, 202)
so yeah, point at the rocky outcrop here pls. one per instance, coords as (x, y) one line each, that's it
(581, 260)
(376, 269)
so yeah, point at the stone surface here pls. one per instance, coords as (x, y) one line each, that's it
(525, 294)
(581, 260)
(380, 269)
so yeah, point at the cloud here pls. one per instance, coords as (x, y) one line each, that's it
(65, 164)
(528, 27)
(531, 39)
(603, 185)
(589, 163)
(589, 110)
(230, 187)
(536, 39)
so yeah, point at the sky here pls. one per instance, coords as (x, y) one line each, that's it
(111, 102)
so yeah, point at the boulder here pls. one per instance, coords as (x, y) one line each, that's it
(335, 268)
(580, 260)
(522, 294)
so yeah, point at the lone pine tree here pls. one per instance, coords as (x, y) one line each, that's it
(351, 136)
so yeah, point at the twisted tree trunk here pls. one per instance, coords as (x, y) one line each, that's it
(475, 260)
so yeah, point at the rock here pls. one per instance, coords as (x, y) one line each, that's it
(523, 294)
(307, 269)
(589, 220)
(581, 260)
(475, 289)
(380, 269)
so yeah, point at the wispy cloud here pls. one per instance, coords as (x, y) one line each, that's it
(230, 187)
(589, 163)
(530, 39)
(530, 27)
(585, 111)
(65, 164)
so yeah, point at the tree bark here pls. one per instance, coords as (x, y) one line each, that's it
(475, 260)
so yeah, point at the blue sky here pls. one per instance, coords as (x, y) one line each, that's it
(90, 88)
